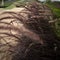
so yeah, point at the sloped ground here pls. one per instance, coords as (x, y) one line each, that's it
(26, 34)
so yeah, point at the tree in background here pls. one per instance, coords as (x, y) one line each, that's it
(48, 1)
(2, 3)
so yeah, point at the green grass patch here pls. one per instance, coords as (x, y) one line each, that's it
(8, 4)
(55, 10)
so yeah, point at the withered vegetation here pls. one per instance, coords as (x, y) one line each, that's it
(27, 35)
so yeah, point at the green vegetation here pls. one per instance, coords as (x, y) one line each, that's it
(8, 4)
(57, 27)
(55, 6)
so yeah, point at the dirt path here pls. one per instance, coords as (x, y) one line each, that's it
(1, 10)
(15, 9)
